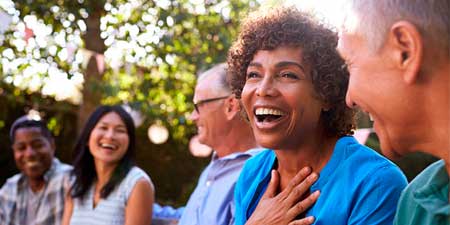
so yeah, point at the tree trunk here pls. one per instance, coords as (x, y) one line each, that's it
(92, 76)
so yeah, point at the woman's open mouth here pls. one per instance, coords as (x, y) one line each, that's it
(268, 117)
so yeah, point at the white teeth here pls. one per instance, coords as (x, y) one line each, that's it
(370, 117)
(268, 111)
(32, 163)
(107, 146)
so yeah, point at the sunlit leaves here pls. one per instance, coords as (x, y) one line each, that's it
(154, 49)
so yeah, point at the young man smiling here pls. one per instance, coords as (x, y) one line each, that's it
(36, 195)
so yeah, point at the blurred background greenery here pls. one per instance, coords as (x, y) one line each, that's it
(63, 58)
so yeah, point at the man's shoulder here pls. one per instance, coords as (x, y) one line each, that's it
(60, 168)
(424, 199)
(12, 181)
(9, 188)
(427, 176)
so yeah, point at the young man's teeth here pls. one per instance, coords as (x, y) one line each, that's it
(370, 117)
(31, 163)
(267, 111)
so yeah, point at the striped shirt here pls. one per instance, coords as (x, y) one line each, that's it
(109, 211)
(14, 198)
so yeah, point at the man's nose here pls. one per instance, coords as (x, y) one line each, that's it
(30, 151)
(348, 99)
(193, 115)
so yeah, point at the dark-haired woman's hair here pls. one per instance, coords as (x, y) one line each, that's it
(84, 168)
(286, 26)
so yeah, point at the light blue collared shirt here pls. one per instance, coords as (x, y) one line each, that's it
(212, 202)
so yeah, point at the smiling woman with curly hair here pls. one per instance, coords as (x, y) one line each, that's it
(292, 82)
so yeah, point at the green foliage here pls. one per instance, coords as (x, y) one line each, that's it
(153, 50)
(152, 53)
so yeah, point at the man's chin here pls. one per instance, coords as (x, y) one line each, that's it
(202, 140)
(34, 176)
(390, 152)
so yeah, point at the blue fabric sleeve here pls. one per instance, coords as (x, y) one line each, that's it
(379, 196)
(166, 212)
(239, 214)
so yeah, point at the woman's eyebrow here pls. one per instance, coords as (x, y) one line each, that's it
(255, 64)
(290, 63)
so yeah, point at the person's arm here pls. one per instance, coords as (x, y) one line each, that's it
(140, 204)
(167, 212)
(282, 208)
(2, 206)
(68, 209)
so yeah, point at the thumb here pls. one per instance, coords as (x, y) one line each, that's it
(273, 185)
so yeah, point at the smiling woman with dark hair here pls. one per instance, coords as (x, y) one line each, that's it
(108, 188)
(292, 83)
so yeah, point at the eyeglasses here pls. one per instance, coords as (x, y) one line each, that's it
(199, 103)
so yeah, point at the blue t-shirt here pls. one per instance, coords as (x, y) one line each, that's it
(358, 186)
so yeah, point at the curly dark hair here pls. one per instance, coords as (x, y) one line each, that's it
(287, 26)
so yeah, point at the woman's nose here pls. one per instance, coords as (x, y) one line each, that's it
(109, 133)
(266, 87)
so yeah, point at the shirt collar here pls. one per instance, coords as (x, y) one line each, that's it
(232, 156)
(336, 158)
(433, 195)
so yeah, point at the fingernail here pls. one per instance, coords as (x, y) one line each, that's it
(307, 169)
(311, 219)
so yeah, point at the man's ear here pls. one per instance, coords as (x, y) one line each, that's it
(232, 107)
(408, 54)
(52, 144)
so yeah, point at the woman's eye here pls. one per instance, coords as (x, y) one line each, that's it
(289, 75)
(252, 75)
(121, 131)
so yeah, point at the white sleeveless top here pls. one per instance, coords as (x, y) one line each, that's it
(109, 211)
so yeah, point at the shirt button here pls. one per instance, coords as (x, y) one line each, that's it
(208, 183)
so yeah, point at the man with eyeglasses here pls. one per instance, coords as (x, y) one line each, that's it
(220, 125)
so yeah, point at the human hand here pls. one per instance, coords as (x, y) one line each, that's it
(283, 208)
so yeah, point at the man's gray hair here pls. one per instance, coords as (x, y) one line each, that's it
(373, 18)
(220, 70)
